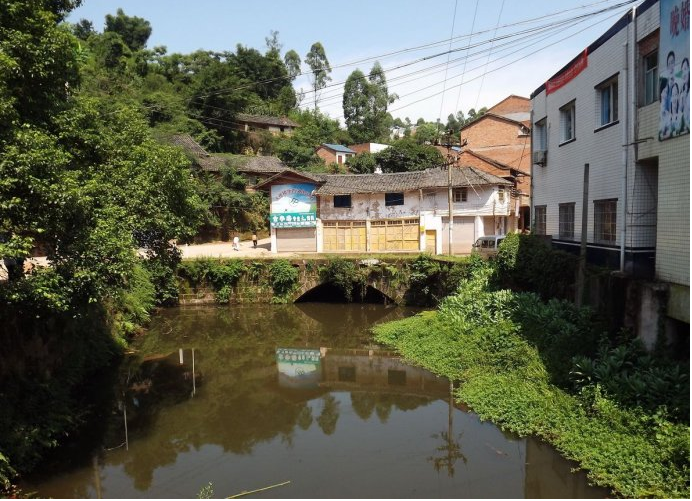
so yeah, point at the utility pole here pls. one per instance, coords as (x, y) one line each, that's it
(450, 201)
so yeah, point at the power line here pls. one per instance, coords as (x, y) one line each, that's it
(429, 45)
(480, 88)
(508, 64)
(444, 84)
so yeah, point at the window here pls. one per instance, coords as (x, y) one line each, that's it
(607, 102)
(605, 219)
(347, 374)
(393, 199)
(566, 223)
(651, 78)
(567, 122)
(342, 201)
(540, 136)
(460, 195)
(501, 194)
(539, 214)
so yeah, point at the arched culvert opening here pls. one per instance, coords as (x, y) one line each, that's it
(331, 293)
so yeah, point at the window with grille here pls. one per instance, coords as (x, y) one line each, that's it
(607, 101)
(605, 221)
(650, 68)
(460, 195)
(566, 223)
(342, 201)
(501, 194)
(393, 199)
(567, 122)
(540, 218)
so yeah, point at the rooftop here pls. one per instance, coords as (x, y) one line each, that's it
(338, 147)
(340, 184)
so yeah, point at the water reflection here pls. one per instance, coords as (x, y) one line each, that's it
(249, 397)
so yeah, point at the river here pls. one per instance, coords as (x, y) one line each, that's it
(297, 397)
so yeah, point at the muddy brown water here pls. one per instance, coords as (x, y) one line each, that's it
(251, 397)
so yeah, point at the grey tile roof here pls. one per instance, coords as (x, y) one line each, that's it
(267, 120)
(206, 161)
(340, 184)
(258, 165)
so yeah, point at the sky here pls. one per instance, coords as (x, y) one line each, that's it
(500, 47)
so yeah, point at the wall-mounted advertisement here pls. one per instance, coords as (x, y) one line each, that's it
(293, 206)
(298, 368)
(674, 69)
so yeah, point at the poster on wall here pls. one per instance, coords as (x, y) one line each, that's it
(293, 206)
(674, 69)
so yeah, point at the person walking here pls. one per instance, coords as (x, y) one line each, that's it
(254, 240)
(236, 243)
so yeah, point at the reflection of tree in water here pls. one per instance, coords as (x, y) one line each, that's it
(329, 415)
(305, 418)
(238, 403)
(365, 402)
(450, 452)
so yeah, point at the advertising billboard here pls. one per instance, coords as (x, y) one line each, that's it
(674, 69)
(293, 206)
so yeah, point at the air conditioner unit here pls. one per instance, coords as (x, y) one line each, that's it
(540, 157)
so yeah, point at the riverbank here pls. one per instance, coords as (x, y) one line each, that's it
(513, 357)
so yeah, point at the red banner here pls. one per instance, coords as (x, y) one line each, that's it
(567, 75)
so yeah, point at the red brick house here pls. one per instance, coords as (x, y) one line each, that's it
(499, 143)
(334, 153)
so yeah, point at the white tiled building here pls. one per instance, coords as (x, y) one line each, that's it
(602, 109)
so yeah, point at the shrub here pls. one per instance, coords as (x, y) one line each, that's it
(283, 278)
(345, 275)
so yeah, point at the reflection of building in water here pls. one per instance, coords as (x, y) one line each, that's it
(550, 476)
(361, 369)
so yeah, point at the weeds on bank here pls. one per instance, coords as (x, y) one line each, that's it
(545, 369)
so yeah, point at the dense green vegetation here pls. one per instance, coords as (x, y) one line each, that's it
(549, 369)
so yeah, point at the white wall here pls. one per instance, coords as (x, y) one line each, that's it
(483, 201)
(561, 179)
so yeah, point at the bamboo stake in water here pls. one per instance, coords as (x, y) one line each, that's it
(245, 493)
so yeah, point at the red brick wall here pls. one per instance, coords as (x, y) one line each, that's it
(513, 104)
(491, 131)
(326, 155)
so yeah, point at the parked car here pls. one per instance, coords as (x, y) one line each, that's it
(487, 246)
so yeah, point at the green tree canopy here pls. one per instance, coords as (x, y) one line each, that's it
(407, 155)
(362, 163)
(292, 62)
(134, 30)
(317, 60)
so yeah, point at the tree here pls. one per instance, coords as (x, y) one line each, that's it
(406, 155)
(379, 98)
(317, 60)
(356, 103)
(365, 105)
(272, 42)
(292, 62)
(427, 133)
(362, 163)
(83, 29)
(134, 30)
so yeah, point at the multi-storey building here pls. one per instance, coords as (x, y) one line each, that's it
(605, 125)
